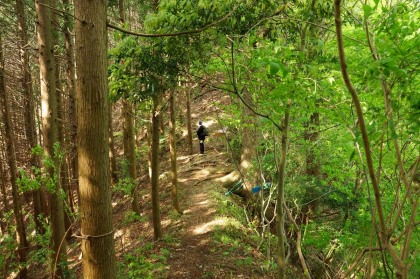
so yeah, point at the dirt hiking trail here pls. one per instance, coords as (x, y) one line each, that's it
(199, 255)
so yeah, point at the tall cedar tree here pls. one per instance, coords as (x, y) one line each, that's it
(30, 126)
(155, 165)
(92, 130)
(129, 141)
(11, 160)
(50, 129)
(172, 149)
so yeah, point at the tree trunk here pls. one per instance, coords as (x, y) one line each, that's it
(6, 207)
(149, 145)
(50, 131)
(189, 122)
(130, 152)
(11, 160)
(248, 171)
(29, 112)
(157, 227)
(172, 149)
(93, 131)
(121, 10)
(280, 199)
(70, 86)
(111, 152)
(313, 168)
(128, 137)
(63, 175)
(383, 238)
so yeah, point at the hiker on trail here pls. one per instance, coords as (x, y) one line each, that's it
(202, 132)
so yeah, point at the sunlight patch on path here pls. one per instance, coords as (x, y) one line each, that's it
(205, 228)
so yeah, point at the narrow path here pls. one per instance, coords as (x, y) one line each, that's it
(199, 253)
(195, 258)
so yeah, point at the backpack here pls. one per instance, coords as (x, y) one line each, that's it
(206, 132)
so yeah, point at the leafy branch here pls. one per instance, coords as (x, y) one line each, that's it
(199, 30)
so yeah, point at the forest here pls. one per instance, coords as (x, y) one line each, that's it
(310, 168)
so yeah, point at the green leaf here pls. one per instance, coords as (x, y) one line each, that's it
(368, 10)
(274, 68)
(284, 69)
(352, 155)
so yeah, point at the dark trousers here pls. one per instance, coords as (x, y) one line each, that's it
(201, 146)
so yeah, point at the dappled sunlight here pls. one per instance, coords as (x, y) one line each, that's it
(187, 211)
(204, 228)
(203, 172)
(206, 202)
(233, 176)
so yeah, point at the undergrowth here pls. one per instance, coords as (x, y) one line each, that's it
(239, 235)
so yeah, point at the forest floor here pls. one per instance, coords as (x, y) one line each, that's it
(206, 241)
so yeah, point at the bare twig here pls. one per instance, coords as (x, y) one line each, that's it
(298, 242)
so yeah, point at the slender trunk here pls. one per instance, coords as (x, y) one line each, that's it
(70, 86)
(280, 198)
(11, 160)
(149, 147)
(29, 112)
(130, 152)
(402, 272)
(360, 117)
(248, 172)
(155, 166)
(172, 149)
(128, 136)
(312, 169)
(93, 131)
(63, 177)
(384, 239)
(189, 123)
(50, 131)
(298, 243)
(111, 152)
(121, 11)
(4, 200)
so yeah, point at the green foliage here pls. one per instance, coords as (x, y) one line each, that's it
(42, 255)
(8, 256)
(45, 176)
(170, 239)
(125, 186)
(244, 262)
(132, 217)
(138, 265)
(135, 266)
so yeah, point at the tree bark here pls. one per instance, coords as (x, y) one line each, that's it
(11, 160)
(63, 175)
(111, 152)
(71, 89)
(93, 131)
(189, 122)
(6, 206)
(172, 149)
(130, 153)
(157, 227)
(50, 131)
(312, 169)
(29, 112)
(281, 262)
(128, 136)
